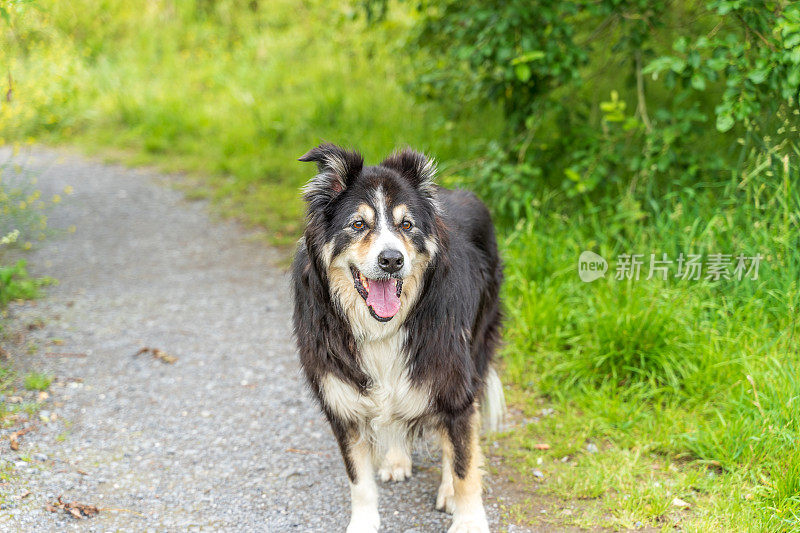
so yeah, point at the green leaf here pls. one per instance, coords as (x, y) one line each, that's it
(528, 57)
(724, 7)
(717, 63)
(677, 65)
(693, 59)
(572, 175)
(698, 81)
(794, 77)
(724, 122)
(657, 65)
(523, 72)
(758, 76)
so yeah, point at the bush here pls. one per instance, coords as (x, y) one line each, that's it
(601, 96)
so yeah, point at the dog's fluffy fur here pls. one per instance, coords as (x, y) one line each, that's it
(397, 317)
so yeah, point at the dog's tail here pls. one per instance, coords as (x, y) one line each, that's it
(493, 404)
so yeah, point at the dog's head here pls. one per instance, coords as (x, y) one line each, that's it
(372, 229)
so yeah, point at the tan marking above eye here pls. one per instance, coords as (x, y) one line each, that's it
(367, 214)
(399, 213)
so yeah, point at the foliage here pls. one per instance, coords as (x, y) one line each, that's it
(12, 6)
(16, 284)
(572, 124)
(756, 53)
(225, 91)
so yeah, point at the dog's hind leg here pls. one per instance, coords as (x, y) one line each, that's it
(468, 513)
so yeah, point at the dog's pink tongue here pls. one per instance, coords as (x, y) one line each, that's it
(383, 297)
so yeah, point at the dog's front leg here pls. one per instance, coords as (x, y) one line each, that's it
(357, 455)
(364, 516)
(463, 433)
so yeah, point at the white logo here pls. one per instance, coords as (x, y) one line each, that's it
(591, 266)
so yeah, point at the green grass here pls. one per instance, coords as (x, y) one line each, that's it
(37, 381)
(689, 384)
(687, 388)
(225, 93)
(9, 386)
(16, 284)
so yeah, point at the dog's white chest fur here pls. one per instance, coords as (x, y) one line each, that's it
(391, 400)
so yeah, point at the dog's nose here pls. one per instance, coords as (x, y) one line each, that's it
(390, 261)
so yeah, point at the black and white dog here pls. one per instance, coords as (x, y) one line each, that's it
(397, 317)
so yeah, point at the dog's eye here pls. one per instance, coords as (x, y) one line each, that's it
(358, 224)
(406, 225)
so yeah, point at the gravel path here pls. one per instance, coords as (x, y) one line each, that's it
(226, 438)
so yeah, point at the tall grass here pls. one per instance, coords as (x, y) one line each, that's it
(220, 89)
(707, 370)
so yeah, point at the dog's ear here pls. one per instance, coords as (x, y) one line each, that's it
(417, 168)
(337, 167)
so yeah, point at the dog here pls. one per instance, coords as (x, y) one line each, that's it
(397, 318)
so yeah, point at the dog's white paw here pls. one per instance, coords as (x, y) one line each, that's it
(446, 498)
(469, 524)
(364, 522)
(396, 466)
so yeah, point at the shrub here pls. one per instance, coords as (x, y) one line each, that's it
(603, 96)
